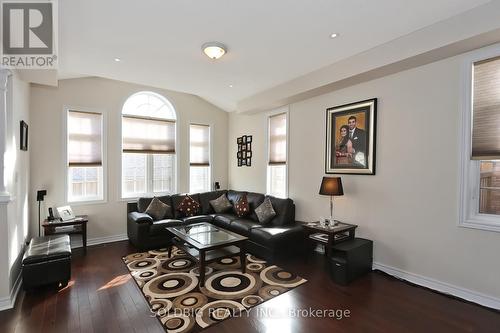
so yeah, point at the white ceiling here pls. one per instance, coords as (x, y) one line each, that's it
(269, 42)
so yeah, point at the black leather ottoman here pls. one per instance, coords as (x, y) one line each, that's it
(46, 261)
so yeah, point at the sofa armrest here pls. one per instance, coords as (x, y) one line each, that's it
(140, 218)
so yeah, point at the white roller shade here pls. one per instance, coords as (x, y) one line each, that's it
(277, 139)
(199, 152)
(486, 110)
(148, 135)
(84, 138)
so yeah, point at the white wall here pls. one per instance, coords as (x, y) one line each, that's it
(47, 159)
(15, 230)
(410, 207)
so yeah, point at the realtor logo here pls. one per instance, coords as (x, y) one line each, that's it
(28, 35)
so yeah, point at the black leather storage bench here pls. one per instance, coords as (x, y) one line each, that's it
(46, 261)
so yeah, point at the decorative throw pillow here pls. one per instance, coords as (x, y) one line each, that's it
(221, 204)
(157, 209)
(265, 212)
(188, 206)
(241, 207)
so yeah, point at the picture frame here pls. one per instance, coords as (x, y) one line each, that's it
(351, 138)
(244, 153)
(23, 136)
(65, 213)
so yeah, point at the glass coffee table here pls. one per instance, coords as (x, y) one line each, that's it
(206, 243)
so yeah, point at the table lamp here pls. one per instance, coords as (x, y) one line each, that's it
(331, 186)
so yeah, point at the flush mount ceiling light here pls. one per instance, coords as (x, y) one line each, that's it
(334, 35)
(214, 50)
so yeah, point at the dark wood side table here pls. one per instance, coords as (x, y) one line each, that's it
(76, 226)
(332, 232)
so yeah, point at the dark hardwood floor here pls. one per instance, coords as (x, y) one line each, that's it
(102, 297)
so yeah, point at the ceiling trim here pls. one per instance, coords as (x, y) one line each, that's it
(462, 33)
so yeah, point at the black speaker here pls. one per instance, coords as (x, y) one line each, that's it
(51, 215)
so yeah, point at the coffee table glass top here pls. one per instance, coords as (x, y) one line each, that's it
(205, 234)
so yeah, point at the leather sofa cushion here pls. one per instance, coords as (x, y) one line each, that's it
(223, 220)
(46, 248)
(234, 196)
(205, 198)
(285, 211)
(197, 219)
(272, 237)
(176, 201)
(243, 226)
(160, 227)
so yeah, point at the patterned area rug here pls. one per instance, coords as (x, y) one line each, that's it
(170, 285)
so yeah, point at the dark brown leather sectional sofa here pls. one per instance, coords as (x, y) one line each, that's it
(281, 236)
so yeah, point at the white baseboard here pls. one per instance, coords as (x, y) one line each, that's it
(77, 242)
(446, 288)
(7, 303)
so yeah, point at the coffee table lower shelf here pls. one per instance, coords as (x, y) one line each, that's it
(204, 257)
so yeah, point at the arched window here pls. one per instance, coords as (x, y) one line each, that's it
(148, 145)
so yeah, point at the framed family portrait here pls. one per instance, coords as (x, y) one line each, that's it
(350, 138)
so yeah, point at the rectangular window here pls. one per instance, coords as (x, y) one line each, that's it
(277, 161)
(199, 158)
(84, 156)
(481, 161)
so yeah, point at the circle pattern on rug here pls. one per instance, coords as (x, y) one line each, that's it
(216, 311)
(196, 271)
(277, 276)
(177, 323)
(144, 275)
(136, 256)
(255, 267)
(143, 264)
(156, 252)
(170, 285)
(226, 263)
(177, 264)
(268, 292)
(160, 306)
(253, 258)
(251, 300)
(190, 301)
(231, 285)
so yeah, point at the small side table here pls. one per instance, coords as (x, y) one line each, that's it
(76, 226)
(331, 231)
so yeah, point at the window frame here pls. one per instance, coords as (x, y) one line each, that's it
(104, 145)
(286, 111)
(469, 173)
(210, 154)
(149, 158)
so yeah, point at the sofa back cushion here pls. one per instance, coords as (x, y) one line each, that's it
(254, 200)
(234, 196)
(285, 211)
(176, 201)
(143, 204)
(205, 198)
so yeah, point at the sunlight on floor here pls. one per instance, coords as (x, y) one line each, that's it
(117, 281)
(275, 315)
(70, 284)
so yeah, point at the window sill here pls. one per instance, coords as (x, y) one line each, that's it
(482, 223)
(87, 202)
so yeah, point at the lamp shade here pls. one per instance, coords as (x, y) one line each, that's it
(331, 186)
